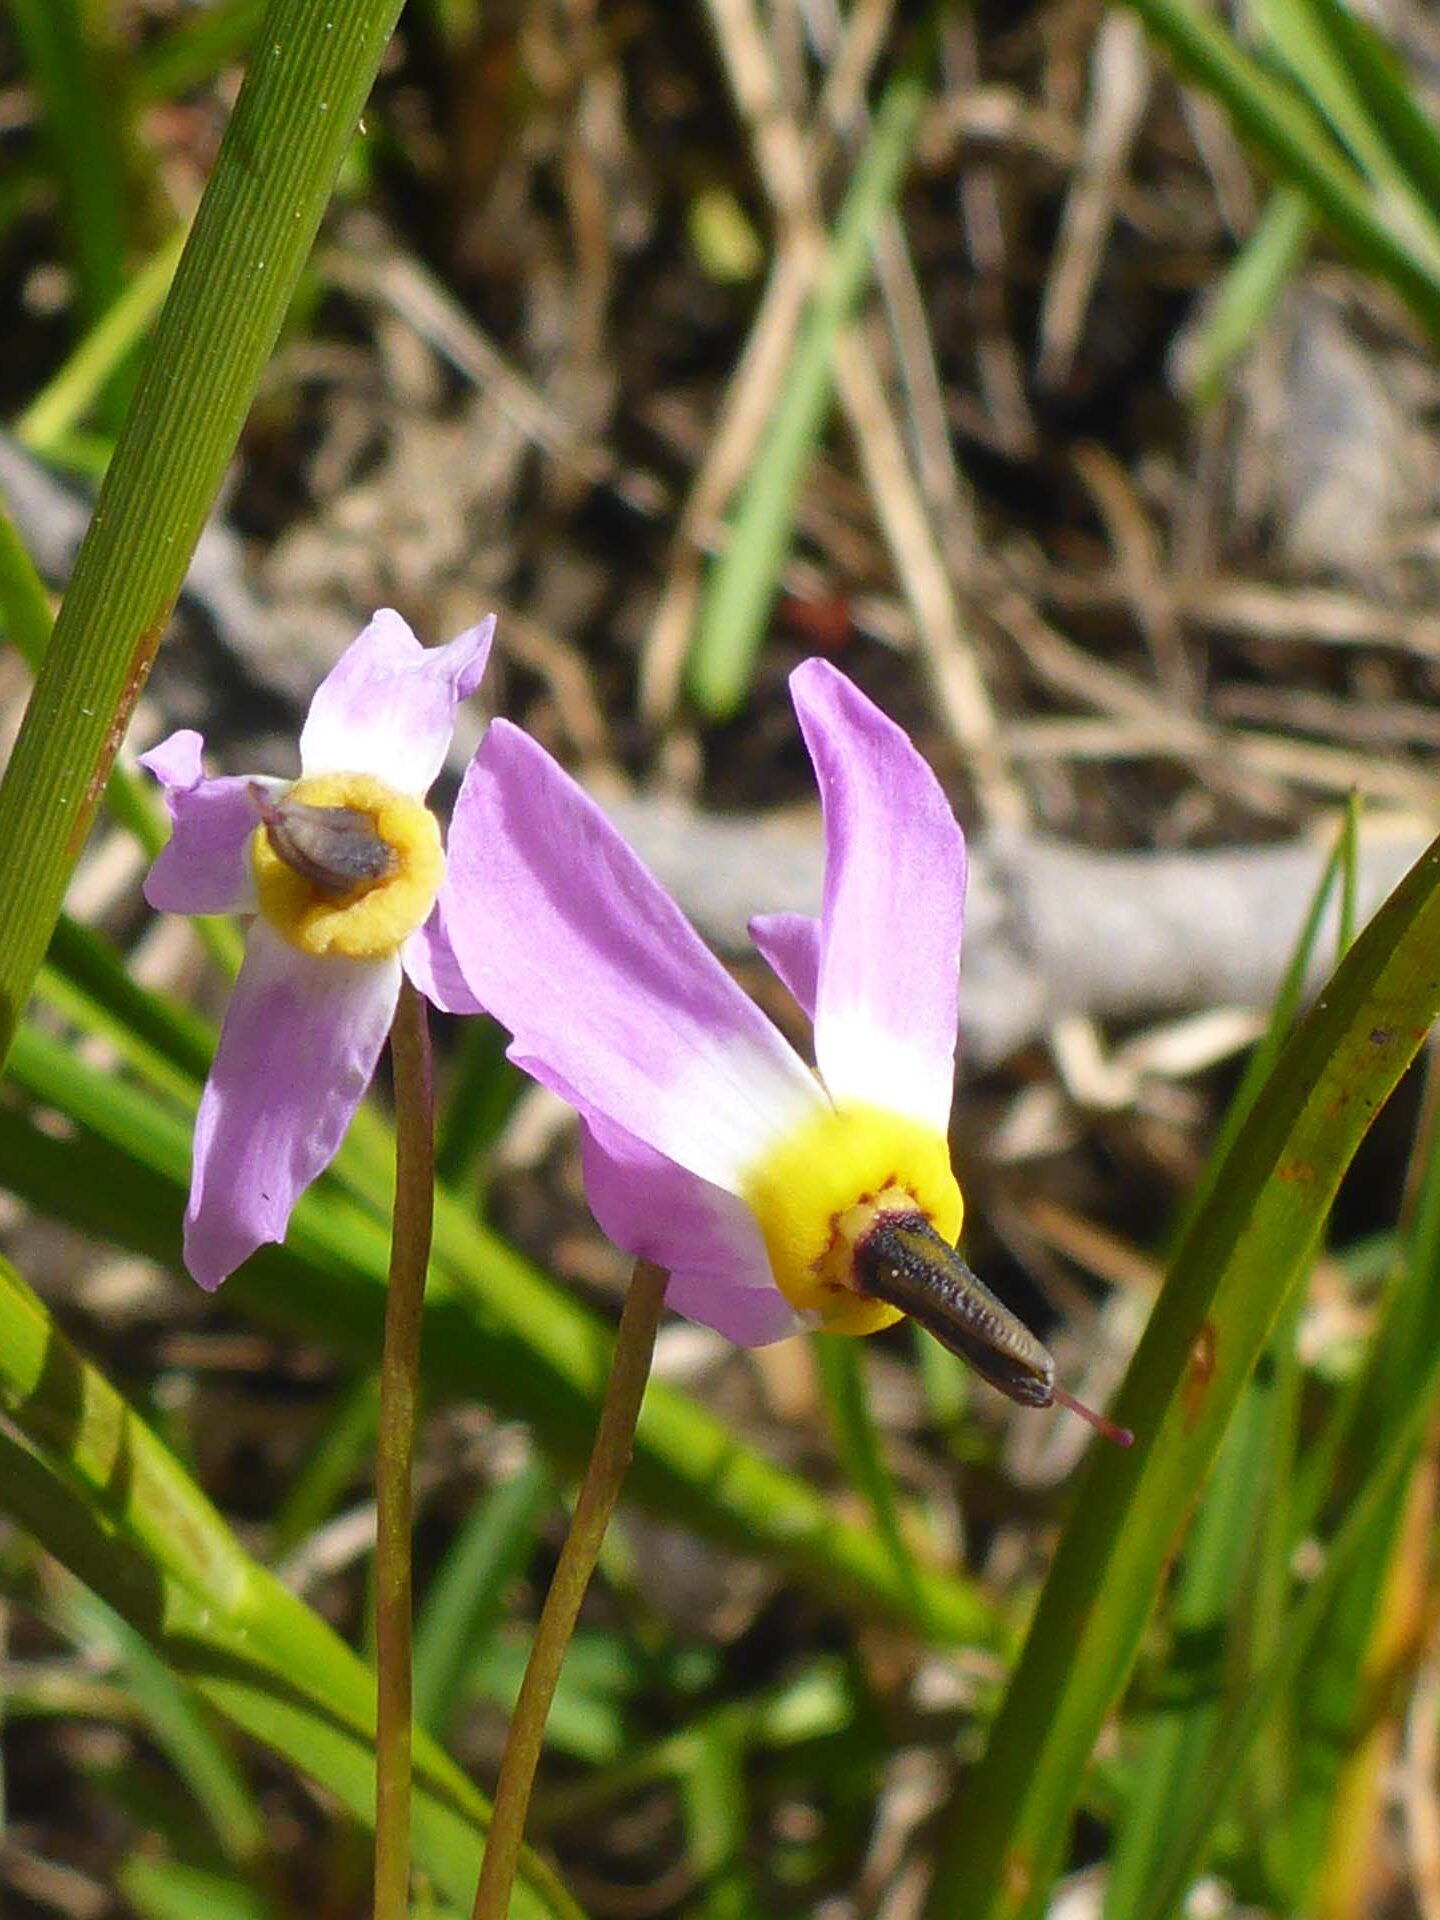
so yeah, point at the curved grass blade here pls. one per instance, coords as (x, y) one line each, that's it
(862, 1455)
(80, 105)
(65, 400)
(465, 1599)
(1299, 148)
(1246, 294)
(214, 1783)
(175, 1890)
(1244, 1251)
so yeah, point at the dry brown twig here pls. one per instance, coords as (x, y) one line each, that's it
(1119, 85)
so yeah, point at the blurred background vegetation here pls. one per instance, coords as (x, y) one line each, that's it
(1067, 373)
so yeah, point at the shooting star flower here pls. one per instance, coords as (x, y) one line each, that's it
(776, 1197)
(340, 869)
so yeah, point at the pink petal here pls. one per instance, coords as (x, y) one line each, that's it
(573, 945)
(789, 944)
(387, 706)
(297, 1051)
(204, 867)
(888, 1001)
(429, 961)
(706, 1239)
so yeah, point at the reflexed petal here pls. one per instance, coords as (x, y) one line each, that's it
(789, 944)
(888, 1001)
(430, 962)
(704, 1238)
(204, 866)
(297, 1051)
(387, 706)
(573, 945)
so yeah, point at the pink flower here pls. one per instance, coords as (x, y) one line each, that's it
(710, 1146)
(340, 869)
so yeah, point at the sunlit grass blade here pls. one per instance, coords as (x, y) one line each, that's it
(287, 136)
(65, 400)
(1284, 1010)
(714, 1795)
(1245, 1250)
(25, 618)
(1245, 295)
(1299, 148)
(1298, 31)
(26, 621)
(114, 999)
(174, 1890)
(1386, 94)
(1178, 1739)
(744, 579)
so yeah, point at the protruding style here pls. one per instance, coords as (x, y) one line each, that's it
(901, 1259)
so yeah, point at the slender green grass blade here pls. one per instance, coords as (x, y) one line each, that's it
(841, 1365)
(64, 401)
(1334, 1705)
(90, 966)
(714, 1796)
(24, 603)
(214, 1783)
(340, 1458)
(1176, 1747)
(173, 1890)
(1298, 147)
(1246, 294)
(1299, 31)
(1261, 1064)
(196, 48)
(463, 1604)
(744, 579)
(1387, 94)
(80, 104)
(1227, 1286)
(292, 123)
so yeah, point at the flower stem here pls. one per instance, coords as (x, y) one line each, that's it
(609, 1458)
(395, 1446)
